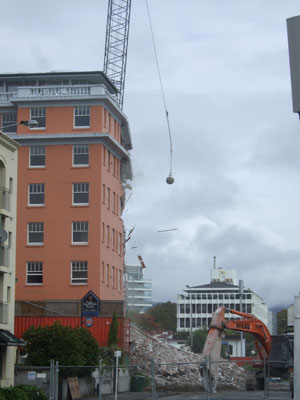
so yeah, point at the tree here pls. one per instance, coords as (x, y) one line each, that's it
(199, 337)
(165, 315)
(144, 321)
(67, 345)
(282, 321)
(113, 331)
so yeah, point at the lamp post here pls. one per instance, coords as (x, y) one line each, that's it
(241, 292)
(31, 123)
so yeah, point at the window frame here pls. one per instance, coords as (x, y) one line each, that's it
(37, 148)
(74, 154)
(74, 193)
(34, 273)
(38, 225)
(83, 227)
(38, 118)
(76, 113)
(41, 193)
(11, 129)
(82, 264)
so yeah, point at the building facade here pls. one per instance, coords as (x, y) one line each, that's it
(196, 305)
(138, 290)
(72, 169)
(8, 201)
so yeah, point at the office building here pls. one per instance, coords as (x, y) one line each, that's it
(72, 171)
(196, 305)
(138, 290)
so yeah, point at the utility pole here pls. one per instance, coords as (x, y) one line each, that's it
(191, 322)
(241, 292)
(296, 347)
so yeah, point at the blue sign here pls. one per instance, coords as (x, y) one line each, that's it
(90, 305)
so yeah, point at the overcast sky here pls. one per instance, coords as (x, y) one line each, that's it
(236, 142)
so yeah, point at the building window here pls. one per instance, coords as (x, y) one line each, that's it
(7, 120)
(114, 239)
(107, 275)
(35, 233)
(107, 235)
(34, 273)
(103, 193)
(119, 280)
(82, 117)
(81, 155)
(80, 232)
(120, 244)
(39, 114)
(36, 194)
(107, 198)
(80, 193)
(37, 156)
(114, 202)
(79, 274)
(103, 271)
(113, 275)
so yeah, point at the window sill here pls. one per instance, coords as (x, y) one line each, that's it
(78, 284)
(37, 167)
(35, 206)
(81, 127)
(40, 128)
(35, 245)
(80, 166)
(81, 205)
(80, 244)
(34, 284)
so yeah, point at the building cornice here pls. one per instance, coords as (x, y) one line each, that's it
(8, 142)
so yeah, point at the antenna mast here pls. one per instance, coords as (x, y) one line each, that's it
(116, 44)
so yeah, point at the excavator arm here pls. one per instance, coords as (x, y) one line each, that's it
(212, 347)
(249, 323)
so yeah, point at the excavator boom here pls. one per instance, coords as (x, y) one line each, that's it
(247, 323)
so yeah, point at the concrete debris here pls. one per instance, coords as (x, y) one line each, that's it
(176, 368)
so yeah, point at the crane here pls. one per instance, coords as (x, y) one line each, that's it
(116, 44)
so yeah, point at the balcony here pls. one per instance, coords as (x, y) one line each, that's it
(5, 197)
(28, 93)
(4, 256)
(3, 313)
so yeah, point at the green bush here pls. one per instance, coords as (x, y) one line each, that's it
(67, 345)
(22, 392)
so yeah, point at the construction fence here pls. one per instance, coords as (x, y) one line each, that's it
(205, 379)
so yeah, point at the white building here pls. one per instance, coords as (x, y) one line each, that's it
(8, 196)
(138, 290)
(196, 305)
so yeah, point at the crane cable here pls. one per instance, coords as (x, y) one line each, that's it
(162, 90)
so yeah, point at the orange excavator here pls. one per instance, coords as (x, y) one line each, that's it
(247, 323)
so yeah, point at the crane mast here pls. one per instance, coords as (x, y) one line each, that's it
(116, 44)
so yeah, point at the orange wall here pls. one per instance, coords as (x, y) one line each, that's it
(58, 214)
(99, 329)
(60, 120)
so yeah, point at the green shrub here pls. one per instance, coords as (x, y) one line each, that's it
(22, 392)
(67, 345)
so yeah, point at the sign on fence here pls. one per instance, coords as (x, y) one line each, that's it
(74, 388)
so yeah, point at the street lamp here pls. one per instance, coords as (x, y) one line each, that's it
(32, 123)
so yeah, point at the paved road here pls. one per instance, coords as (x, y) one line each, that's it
(221, 395)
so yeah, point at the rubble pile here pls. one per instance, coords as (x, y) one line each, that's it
(176, 368)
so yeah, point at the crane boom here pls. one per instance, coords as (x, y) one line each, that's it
(116, 44)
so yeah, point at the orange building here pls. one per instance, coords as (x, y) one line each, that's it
(71, 172)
